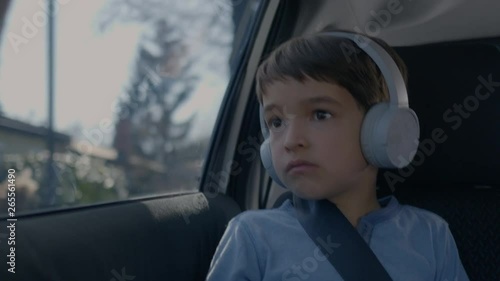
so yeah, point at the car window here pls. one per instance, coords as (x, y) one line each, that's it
(136, 93)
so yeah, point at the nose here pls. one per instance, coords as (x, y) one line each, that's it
(295, 135)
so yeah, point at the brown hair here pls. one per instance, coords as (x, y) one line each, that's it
(325, 58)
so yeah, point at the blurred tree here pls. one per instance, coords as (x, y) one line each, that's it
(182, 41)
(162, 80)
(160, 84)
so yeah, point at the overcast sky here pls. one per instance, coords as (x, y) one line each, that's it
(92, 68)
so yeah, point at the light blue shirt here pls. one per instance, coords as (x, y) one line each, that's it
(411, 243)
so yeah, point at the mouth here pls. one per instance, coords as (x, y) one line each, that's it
(299, 166)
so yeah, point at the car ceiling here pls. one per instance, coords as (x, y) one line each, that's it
(411, 22)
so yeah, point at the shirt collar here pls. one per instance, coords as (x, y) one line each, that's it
(390, 207)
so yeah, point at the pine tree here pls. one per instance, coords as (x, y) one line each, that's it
(160, 84)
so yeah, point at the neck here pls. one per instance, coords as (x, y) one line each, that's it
(357, 202)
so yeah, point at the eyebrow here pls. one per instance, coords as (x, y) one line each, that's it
(313, 100)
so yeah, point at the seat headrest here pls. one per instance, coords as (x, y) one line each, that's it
(455, 90)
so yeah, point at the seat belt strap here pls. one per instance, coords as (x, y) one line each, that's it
(339, 241)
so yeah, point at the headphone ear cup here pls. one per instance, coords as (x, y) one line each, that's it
(267, 161)
(265, 150)
(389, 136)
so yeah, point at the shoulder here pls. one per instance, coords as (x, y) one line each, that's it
(250, 240)
(262, 230)
(266, 219)
(265, 227)
(422, 220)
(422, 214)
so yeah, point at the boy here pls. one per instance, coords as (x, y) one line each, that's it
(315, 98)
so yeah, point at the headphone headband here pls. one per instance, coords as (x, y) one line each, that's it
(390, 71)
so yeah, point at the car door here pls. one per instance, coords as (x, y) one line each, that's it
(111, 143)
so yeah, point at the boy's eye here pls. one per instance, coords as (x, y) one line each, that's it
(275, 123)
(321, 114)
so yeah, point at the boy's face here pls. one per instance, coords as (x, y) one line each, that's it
(320, 123)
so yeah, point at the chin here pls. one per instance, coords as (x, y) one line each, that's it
(315, 191)
(308, 193)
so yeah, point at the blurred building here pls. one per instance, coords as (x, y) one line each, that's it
(17, 137)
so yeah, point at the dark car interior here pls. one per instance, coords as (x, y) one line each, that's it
(458, 181)
(454, 87)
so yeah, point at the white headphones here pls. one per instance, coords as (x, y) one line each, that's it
(390, 130)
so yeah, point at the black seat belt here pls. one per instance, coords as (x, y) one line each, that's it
(339, 241)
